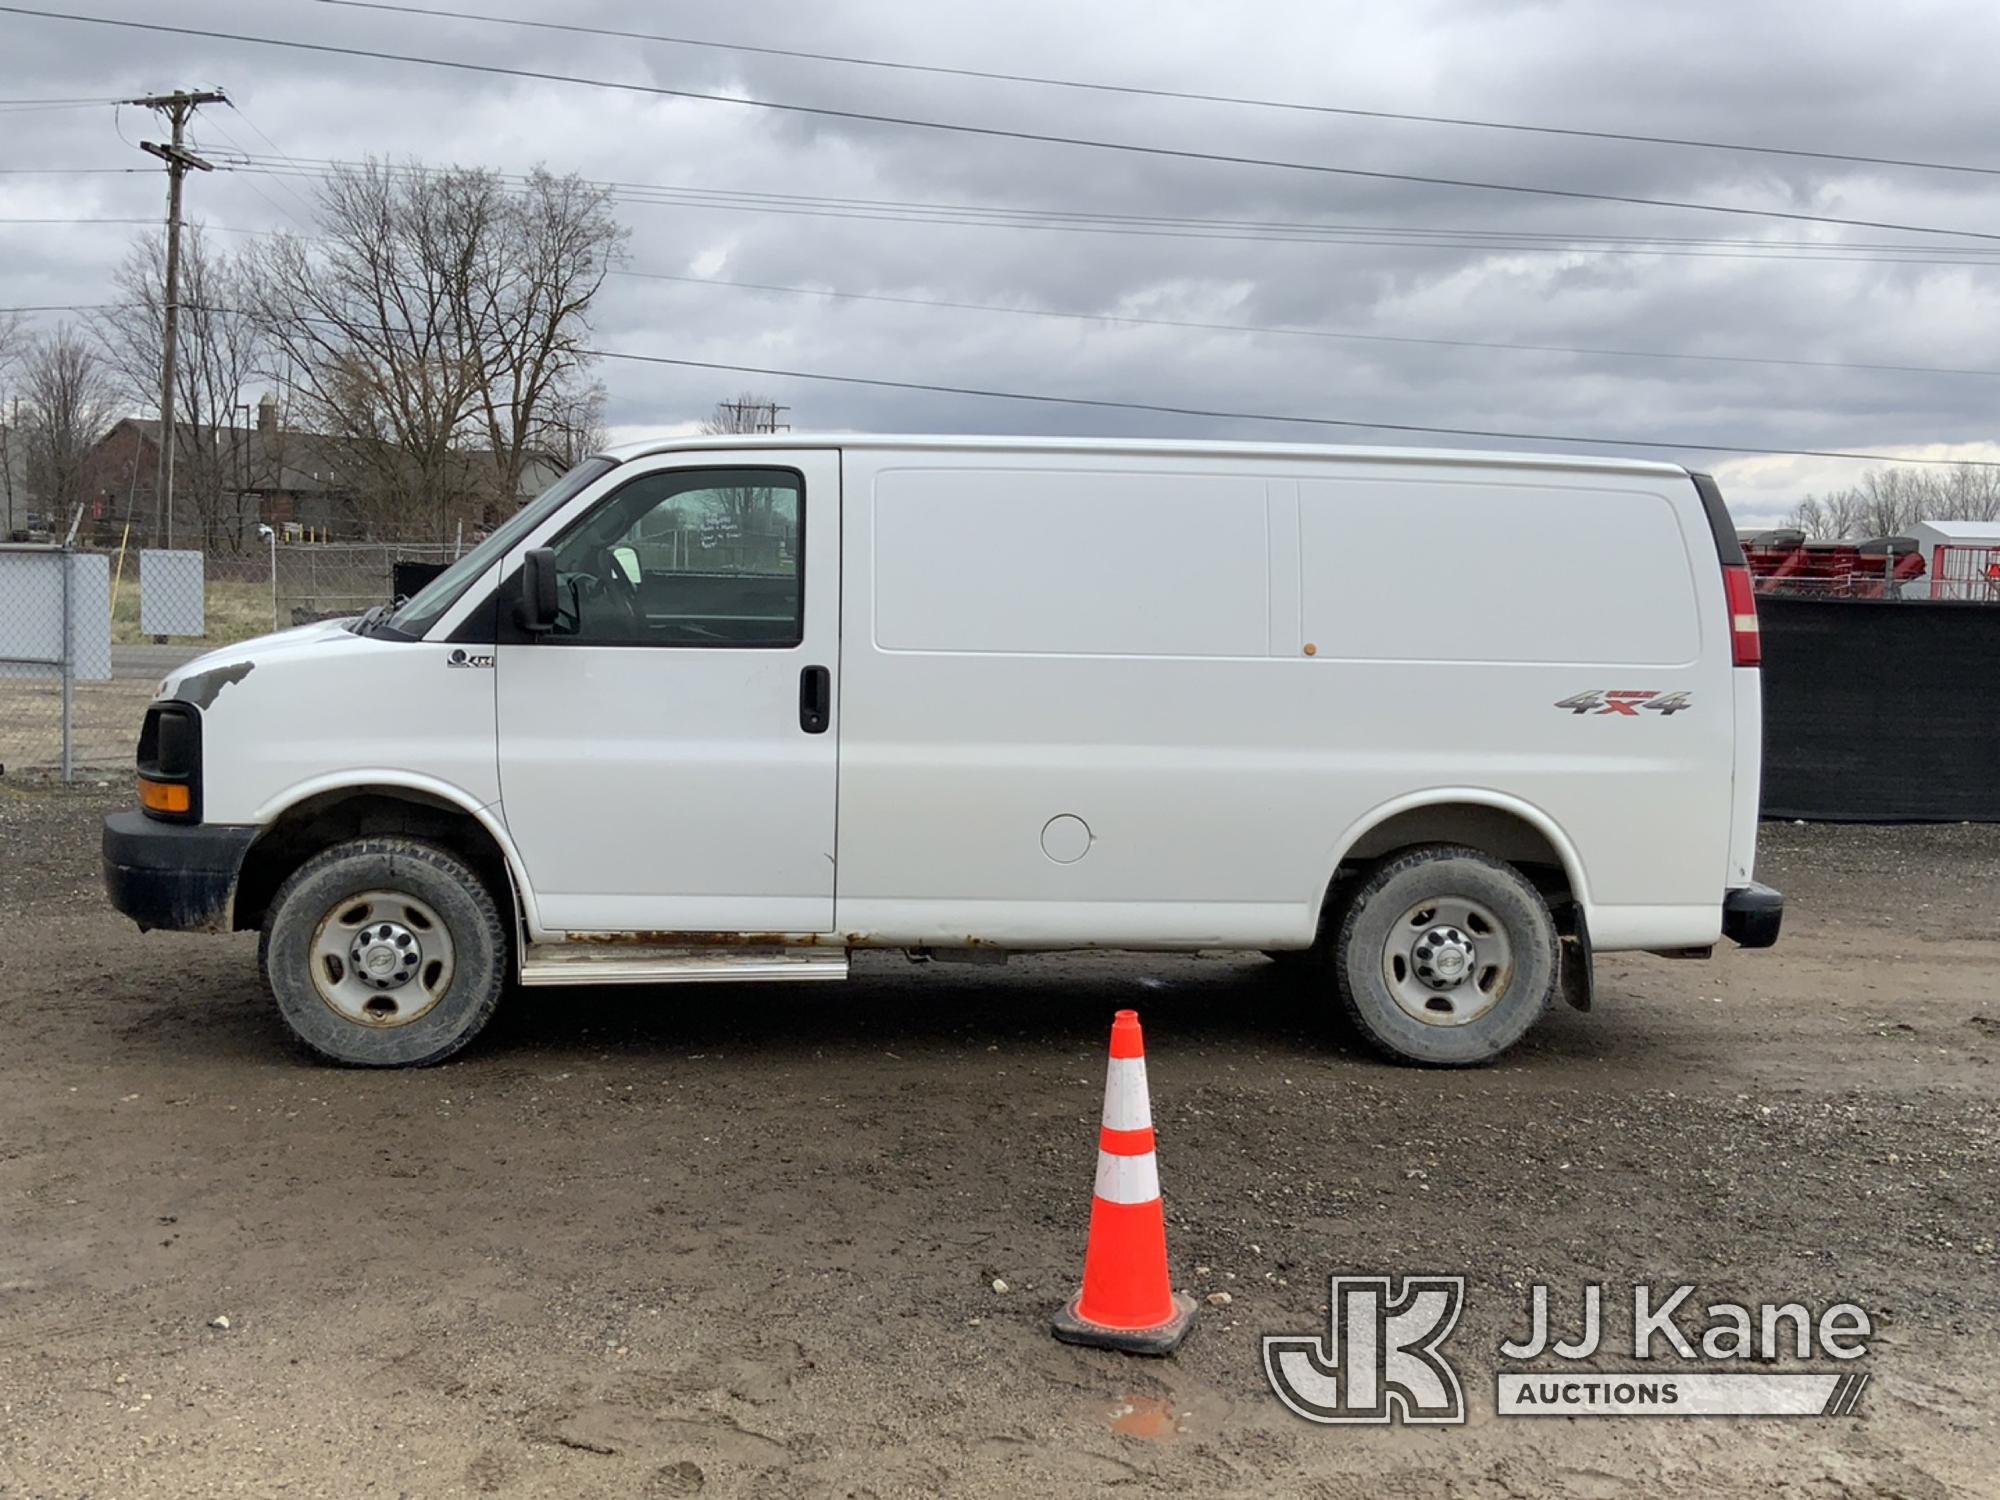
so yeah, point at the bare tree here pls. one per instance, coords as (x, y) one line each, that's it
(1891, 499)
(366, 321)
(13, 341)
(571, 426)
(1887, 502)
(1843, 513)
(1828, 518)
(68, 401)
(1970, 493)
(436, 328)
(220, 349)
(13, 478)
(527, 312)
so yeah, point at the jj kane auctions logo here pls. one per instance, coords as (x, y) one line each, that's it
(1382, 1359)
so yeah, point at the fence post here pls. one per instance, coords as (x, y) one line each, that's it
(63, 557)
(274, 577)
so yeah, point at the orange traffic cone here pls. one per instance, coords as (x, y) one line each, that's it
(1127, 1302)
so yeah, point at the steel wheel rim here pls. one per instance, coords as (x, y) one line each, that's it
(381, 958)
(1447, 961)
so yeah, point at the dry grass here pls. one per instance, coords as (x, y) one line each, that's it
(232, 611)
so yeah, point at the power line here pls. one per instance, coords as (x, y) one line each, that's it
(1131, 148)
(1106, 403)
(1294, 332)
(1350, 423)
(69, 171)
(244, 115)
(1139, 91)
(276, 178)
(307, 164)
(898, 211)
(205, 225)
(18, 108)
(1201, 325)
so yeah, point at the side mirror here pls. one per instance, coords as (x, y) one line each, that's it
(535, 611)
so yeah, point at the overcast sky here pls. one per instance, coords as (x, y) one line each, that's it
(1908, 81)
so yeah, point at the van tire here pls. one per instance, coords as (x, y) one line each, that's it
(400, 888)
(1498, 936)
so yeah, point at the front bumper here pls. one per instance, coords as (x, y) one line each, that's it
(176, 876)
(1751, 915)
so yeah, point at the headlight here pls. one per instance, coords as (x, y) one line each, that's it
(170, 762)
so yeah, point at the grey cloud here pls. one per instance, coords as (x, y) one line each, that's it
(1836, 77)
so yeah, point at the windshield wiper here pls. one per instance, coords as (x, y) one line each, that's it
(373, 616)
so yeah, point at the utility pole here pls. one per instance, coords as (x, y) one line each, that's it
(179, 108)
(755, 416)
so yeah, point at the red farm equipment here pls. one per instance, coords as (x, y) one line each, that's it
(1784, 562)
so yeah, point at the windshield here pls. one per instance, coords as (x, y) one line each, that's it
(427, 606)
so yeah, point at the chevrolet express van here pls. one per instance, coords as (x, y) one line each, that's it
(1431, 727)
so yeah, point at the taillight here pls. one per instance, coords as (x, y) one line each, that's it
(1746, 643)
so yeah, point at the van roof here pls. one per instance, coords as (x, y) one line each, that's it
(932, 442)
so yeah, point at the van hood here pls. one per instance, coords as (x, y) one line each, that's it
(198, 681)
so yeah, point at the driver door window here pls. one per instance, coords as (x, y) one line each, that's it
(687, 557)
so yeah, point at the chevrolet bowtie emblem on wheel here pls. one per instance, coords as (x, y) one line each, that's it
(1379, 1361)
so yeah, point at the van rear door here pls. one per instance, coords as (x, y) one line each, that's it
(667, 751)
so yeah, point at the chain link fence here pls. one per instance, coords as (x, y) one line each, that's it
(327, 581)
(86, 635)
(55, 659)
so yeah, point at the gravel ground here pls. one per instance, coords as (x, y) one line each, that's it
(744, 1241)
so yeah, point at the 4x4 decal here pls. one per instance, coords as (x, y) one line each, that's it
(1626, 701)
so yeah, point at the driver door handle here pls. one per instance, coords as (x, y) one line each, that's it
(815, 699)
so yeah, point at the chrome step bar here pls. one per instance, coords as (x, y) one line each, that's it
(644, 963)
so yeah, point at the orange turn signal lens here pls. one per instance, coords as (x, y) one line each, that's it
(164, 796)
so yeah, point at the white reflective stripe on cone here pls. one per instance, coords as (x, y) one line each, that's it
(1128, 1179)
(1126, 1106)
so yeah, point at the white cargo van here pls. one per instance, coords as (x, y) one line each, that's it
(1432, 725)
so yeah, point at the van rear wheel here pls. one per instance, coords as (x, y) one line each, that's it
(385, 953)
(1446, 957)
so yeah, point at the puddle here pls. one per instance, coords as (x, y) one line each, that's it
(1146, 1417)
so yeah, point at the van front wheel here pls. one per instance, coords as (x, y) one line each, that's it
(1446, 957)
(385, 953)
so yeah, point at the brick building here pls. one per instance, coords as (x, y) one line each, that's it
(231, 480)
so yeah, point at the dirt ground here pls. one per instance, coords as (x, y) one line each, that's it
(744, 1241)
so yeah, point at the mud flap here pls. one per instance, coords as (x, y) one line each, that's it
(1579, 964)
